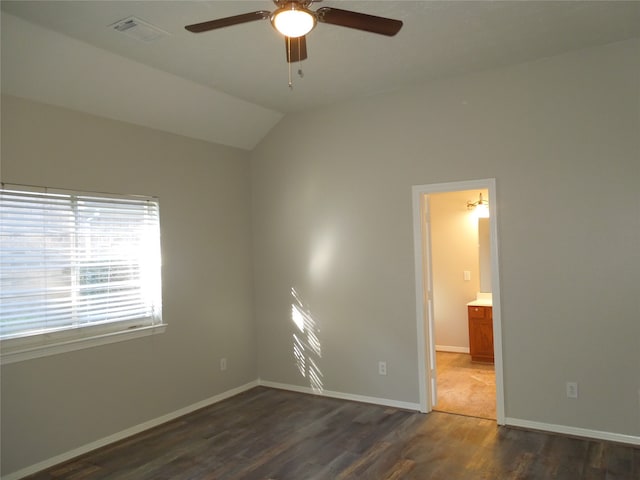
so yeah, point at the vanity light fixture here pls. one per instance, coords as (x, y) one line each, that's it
(481, 207)
(293, 20)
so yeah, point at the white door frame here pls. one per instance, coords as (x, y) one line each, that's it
(426, 342)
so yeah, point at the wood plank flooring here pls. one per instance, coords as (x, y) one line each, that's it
(267, 434)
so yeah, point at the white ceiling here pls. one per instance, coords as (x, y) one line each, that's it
(439, 39)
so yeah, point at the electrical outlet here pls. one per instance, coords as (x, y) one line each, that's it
(382, 368)
(572, 390)
(223, 364)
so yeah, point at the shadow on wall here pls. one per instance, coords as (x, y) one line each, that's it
(307, 350)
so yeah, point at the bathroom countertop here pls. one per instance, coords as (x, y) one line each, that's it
(480, 303)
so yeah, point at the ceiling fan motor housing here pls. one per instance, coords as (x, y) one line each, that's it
(301, 3)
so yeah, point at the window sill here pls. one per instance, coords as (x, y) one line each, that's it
(32, 352)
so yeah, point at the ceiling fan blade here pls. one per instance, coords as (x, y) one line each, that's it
(296, 48)
(228, 21)
(359, 21)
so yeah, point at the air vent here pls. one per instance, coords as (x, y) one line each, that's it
(139, 29)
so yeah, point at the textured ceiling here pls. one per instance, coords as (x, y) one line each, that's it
(439, 39)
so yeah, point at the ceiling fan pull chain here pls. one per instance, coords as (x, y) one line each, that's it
(300, 72)
(289, 63)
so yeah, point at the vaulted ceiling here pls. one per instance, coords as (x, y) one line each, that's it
(230, 85)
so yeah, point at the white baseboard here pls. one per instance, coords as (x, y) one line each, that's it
(448, 348)
(126, 433)
(573, 431)
(342, 396)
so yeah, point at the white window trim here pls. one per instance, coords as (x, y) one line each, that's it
(19, 354)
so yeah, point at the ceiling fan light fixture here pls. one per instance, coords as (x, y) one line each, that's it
(293, 21)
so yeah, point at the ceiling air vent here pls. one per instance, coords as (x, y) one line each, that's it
(138, 29)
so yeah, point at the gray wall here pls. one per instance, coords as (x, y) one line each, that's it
(332, 219)
(329, 192)
(54, 404)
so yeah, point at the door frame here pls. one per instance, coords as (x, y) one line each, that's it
(424, 315)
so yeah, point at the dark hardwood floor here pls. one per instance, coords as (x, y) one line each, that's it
(267, 434)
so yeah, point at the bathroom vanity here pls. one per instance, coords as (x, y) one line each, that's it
(480, 313)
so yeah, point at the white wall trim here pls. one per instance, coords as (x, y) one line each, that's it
(50, 462)
(423, 338)
(342, 396)
(9, 356)
(573, 431)
(451, 349)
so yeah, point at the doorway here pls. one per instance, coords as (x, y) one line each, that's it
(447, 352)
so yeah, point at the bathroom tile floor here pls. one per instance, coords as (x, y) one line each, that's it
(465, 387)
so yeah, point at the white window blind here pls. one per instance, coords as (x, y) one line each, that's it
(76, 264)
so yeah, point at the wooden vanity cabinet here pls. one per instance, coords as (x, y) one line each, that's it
(481, 333)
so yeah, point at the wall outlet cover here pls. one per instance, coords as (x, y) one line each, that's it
(572, 390)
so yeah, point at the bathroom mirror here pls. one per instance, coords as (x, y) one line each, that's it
(484, 247)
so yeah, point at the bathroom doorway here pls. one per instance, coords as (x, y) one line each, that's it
(455, 376)
(465, 385)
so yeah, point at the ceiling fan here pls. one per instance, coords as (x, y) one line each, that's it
(293, 19)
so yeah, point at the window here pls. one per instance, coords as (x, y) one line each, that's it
(76, 269)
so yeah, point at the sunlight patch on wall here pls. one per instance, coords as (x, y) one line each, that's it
(307, 350)
(321, 256)
(298, 317)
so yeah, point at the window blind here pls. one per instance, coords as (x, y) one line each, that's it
(70, 260)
